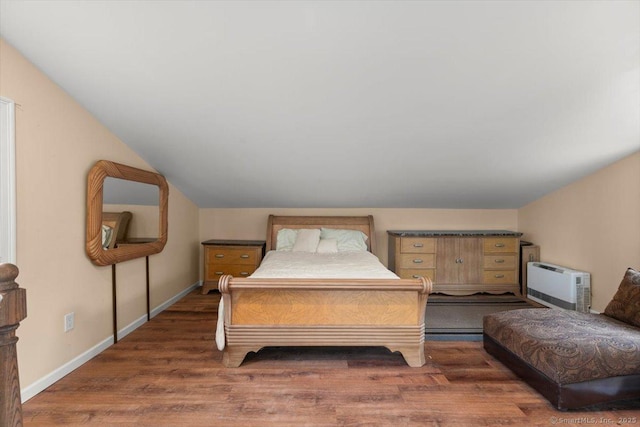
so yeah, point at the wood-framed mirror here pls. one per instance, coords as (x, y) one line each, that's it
(101, 247)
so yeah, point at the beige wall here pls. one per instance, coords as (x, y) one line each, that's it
(145, 220)
(252, 223)
(57, 142)
(592, 225)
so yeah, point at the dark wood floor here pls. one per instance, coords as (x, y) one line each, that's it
(168, 373)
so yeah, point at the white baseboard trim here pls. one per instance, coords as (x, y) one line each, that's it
(44, 382)
(36, 387)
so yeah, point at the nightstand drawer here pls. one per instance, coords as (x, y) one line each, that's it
(417, 261)
(231, 255)
(215, 272)
(417, 245)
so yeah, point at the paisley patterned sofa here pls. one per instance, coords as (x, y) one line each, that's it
(573, 359)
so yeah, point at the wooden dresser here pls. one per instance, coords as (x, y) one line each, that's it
(459, 262)
(238, 258)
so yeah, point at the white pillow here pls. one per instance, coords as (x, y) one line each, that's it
(285, 239)
(348, 240)
(307, 240)
(327, 246)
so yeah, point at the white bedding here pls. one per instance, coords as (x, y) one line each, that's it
(306, 265)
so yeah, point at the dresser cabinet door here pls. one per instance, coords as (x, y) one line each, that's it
(458, 260)
(470, 255)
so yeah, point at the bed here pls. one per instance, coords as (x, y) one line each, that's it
(353, 306)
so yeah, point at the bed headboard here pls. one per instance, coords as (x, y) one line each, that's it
(361, 223)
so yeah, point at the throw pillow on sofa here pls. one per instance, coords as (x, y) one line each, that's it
(625, 305)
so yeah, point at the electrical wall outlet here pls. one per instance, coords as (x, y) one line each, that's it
(69, 320)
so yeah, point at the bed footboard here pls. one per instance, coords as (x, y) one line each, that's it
(324, 312)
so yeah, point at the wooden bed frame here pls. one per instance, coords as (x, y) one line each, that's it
(323, 312)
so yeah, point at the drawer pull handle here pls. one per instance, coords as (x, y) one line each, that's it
(244, 256)
(418, 245)
(499, 261)
(219, 273)
(417, 261)
(499, 245)
(499, 276)
(219, 255)
(415, 276)
(244, 273)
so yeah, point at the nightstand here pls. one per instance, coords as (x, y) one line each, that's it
(238, 258)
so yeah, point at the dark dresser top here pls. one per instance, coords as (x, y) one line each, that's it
(452, 233)
(234, 242)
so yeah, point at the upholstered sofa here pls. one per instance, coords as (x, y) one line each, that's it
(573, 359)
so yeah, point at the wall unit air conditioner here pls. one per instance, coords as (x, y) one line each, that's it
(559, 287)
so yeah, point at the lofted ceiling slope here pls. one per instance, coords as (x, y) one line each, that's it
(434, 104)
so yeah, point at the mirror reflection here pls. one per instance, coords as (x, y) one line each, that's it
(130, 212)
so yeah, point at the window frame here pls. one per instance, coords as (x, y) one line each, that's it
(7, 182)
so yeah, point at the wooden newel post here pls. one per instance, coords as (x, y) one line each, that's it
(13, 309)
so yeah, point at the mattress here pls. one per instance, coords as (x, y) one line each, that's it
(307, 265)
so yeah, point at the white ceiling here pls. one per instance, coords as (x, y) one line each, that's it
(431, 104)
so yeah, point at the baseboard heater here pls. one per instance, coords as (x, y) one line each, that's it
(559, 287)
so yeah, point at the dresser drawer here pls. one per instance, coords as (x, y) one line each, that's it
(414, 273)
(417, 260)
(499, 277)
(417, 245)
(499, 262)
(500, 244)
(232, 255)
